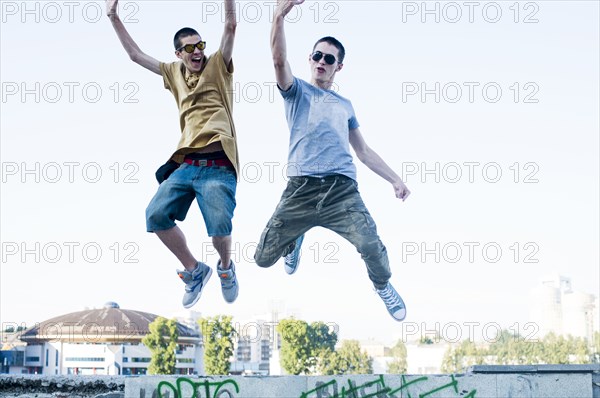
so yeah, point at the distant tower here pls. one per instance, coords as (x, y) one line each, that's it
(546, 304)
(556, 307)
(578, 314)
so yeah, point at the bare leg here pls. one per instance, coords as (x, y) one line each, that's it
(175, 240)
(223, 246)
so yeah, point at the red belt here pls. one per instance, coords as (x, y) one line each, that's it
(208, 162)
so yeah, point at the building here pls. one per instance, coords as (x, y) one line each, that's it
(103, 341)
(556, 308)
(257, 341)
(421, 358)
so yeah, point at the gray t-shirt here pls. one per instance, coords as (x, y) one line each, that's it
(320, 122)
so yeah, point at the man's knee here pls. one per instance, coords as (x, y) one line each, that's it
(371, 247)
(263, 260)
(154, 220)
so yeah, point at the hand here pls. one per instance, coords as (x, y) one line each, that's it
(284, 6)
(111, 7)
(401, 190)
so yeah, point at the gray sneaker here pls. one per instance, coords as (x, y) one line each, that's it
(292, 259)
(194, 283)
(393, 302)
(229, 283)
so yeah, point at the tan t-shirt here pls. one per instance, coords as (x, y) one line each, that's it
(205, 110)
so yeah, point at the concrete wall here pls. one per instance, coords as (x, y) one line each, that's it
(548, 381)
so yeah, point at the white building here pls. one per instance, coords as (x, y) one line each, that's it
(100, 341)
(555, 307)
(256, 343)
(425, 358)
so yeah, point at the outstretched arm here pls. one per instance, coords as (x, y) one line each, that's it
(229, 31)
(373, 161)
(283, 72)
(135, 53)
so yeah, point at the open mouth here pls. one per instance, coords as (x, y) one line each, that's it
(197, 60)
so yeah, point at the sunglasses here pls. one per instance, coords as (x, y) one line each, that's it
(189, 48)
(329, 59)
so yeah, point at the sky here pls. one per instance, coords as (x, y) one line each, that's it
(488, 110)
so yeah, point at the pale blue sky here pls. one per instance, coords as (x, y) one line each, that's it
(549, 134)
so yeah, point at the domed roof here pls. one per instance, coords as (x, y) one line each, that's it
(107, 324)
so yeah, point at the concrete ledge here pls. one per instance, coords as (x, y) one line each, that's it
(591, 368)
(543, 381)
(470, 385)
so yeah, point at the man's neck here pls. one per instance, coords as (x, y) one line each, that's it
(322, 84)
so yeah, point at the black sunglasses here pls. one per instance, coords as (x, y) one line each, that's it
(329, 59)
(189, 48)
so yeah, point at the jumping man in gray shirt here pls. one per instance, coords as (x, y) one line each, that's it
(322, 189)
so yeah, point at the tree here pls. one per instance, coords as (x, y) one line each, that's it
(162, 342)
(595, 356)
(457, 359)
(399, 364)
(217, 336)
(347, 360)
(304, 346)
(555, 349)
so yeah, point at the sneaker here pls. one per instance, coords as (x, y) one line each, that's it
(229, 283)
(393, 302)
(292, 259)
(194, 283)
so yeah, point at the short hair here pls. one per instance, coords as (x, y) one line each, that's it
(181, 33)
(334, 42)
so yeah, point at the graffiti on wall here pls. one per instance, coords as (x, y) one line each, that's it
(377, 388)
(417, 387)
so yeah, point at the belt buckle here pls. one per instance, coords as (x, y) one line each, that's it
(201, 162)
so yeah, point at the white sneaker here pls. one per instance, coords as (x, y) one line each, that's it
(393, 302)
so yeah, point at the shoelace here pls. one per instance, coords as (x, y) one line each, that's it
(389, 298)
(291, 258)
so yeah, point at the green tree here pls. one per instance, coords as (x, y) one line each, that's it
(217, 336)
(451, 362)
(512, 349)
(162, 343)
(348, 359)
(596, 348)
(555, 349)
(304, 346)
(399, 364)
(457, 359)
(579, 348)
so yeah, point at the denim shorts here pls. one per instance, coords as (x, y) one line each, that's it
(212, 187)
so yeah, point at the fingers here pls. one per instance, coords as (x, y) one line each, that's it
(402, 193)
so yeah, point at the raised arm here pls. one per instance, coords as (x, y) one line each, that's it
(373, 161)
(135, 53)
(283, 72)
(228, 32)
